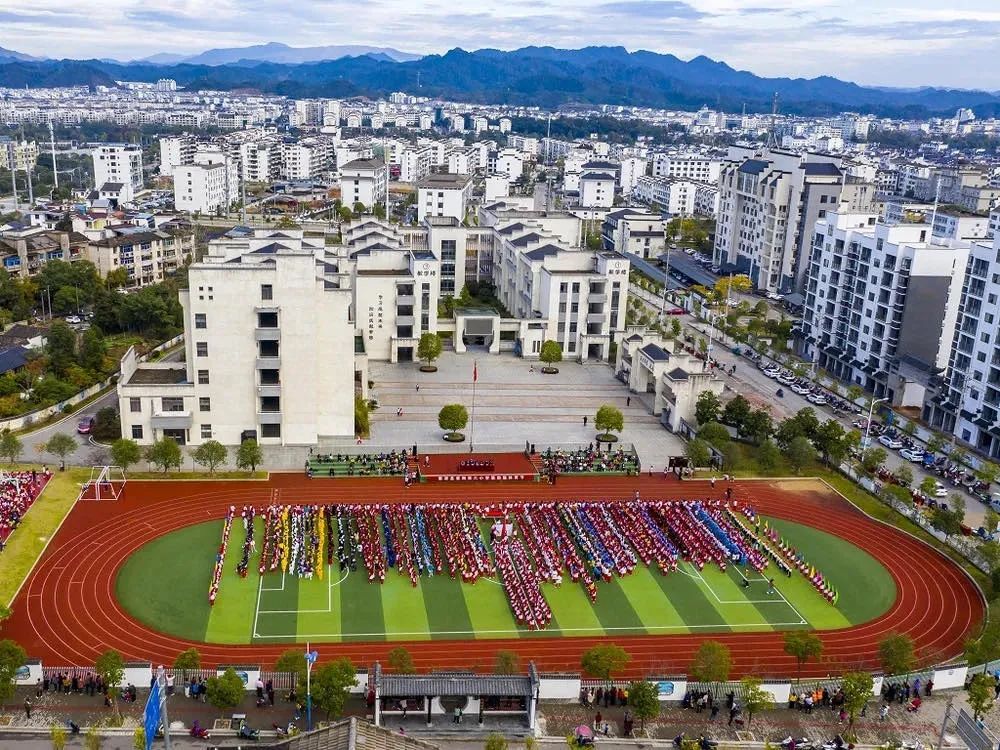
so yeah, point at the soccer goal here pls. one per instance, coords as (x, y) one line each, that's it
(105, 483)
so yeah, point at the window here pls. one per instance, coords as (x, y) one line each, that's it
(205, 404)
(201, 348)
(202, 377)
(199, 320)
(172, 403)
(206, 431)
(134, 405)
(270, 430)
(137, 432)
(266, 292)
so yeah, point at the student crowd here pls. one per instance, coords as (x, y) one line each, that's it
(588, 460)
(18, 491)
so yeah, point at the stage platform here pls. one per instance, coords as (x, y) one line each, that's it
(461, 467)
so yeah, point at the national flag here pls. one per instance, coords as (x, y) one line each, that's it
(152, 715)
(475, 371)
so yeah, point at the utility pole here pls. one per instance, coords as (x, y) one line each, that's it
(52, 144)
(944, 723)
(31, 192)
(13, 185)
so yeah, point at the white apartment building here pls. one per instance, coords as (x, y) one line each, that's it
(119, 164)
(965, 400)
(635, 231)
(364, 181)
(267, 342)
(881, 302)
(19, 155)
(706, 199)
(175, 152)
(597, 189)
(206, 187)
(307, 159)
(672, 196)
(687, 167)
(511, 163)
(147, 255)
(443, 194)
(505, 124)
(632, 168)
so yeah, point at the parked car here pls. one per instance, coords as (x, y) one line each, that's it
(774, 296)
(675, 311)
(891, 441)
(74, 319)
(802, 390)
(940, 490)
(912, 454)
(816, 398)
(85, 425)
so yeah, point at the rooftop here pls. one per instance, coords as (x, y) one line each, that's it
(159, 376)
(444, 181)
(454, 684)
(655, 353)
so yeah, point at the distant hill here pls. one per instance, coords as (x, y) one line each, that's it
(9, 54)
(281, 53)
(542, 76)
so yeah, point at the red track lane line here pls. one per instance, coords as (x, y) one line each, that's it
(65, 622)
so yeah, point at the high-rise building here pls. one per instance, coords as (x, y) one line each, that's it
(119, 164)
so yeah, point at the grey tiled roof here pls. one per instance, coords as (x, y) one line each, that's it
(454, 684)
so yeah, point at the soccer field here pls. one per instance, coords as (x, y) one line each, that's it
(345, 606)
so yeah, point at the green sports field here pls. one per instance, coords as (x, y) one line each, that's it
(165, 585)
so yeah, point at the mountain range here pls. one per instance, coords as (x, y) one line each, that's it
(541, 76)
(279, 53)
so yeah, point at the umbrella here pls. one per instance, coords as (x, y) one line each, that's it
(584, 732)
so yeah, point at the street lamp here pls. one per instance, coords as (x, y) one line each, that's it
(868, 424)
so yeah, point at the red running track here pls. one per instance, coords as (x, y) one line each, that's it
(67, 613)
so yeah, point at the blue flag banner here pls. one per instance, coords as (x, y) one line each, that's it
(151, 717)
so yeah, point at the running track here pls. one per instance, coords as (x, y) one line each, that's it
(67, 614)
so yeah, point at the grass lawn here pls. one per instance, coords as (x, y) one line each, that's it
(38, 525)
(345, 606)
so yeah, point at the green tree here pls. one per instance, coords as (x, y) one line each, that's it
(60, 347)
(61, 445)
(706, 408)
(829, 441)
(12, 658)
(58, 737)
(226, 690)
(189, 659)
(936, 443)
(715, 434)
(903, 475)
(604, 661)
(92, 740)
(92, 349)
(249, 455)
(139, 739)
(800, 453)
(768, 455)
(5, 612)
(644, 700)
(453, 417)
(857, 688)
(495, 741)
(293, 661)
(107, 426)
(401, 661)
(11, 446)
(507, 662)
(896, 654)
(873, 459)
(987, 472)
(755, 698)
(946, 521)
(712, 662)
(675, 327)
(803, 645)
(758, 426)
(737, 412)
(927, 487)
(164, 453)
(110, 667)
(550, 354)
(609, 418)
(210, 454)
(897, 493)
(330, 685)
(429, 348)
(981, 695)
(125, 453)
(990, 520)
(698, 452)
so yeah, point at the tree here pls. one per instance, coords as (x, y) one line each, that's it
(927, 487)
(740, 283)
(990, 520)
(249, 455)
(92, 350)
(604, 661)
(58, 737)
(737, 412)
(401, 661)
(946, 521)
(495, 741)
(453, 417)
(758, 426)
(829, 441)
(698, 452)
(903, 475)
(609, 418)
(507, 662)
(12, 658)
(550, 354)
(11, 446)
(164, 453)
(644, 700)
(92, 739)
(936, 443)
(110, 667)
(107, 425)
(987, 472)
(60, 347)
(210, 454)
(714, 434)
(226, 690)
(803, 645)
(873, 459)
(706, 408)
(896, 492)
(5, 612)
(429, 348)
(768, 455)
(712, 662)
(293, 661)
(896, 654)
(330, 685)
(188, 659)
(755, 698)
(857, 688)
(675, 327)
(981, 694)
(799, 453)
(125, 453)
(139, 739)
(61, 445)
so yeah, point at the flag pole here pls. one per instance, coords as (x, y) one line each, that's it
(472, 431)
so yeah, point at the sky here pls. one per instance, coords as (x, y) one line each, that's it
(875, 42)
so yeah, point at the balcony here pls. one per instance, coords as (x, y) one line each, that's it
(267, 334)
(269, 390)
(171, 420)
(269, 417)
(596, 317)
(405, 299)
(404, 320)
(597, 297)
(268, 363)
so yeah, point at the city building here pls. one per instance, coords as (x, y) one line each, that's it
(19, 155)
(635, 231)
(687, 167)
(119, 164)
(364, 181)
(147, 255)
(442, 194)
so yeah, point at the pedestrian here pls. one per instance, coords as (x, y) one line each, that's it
(883, 712)
(259, 685)
(712, 480)
(628, 401)
(729, 493)
(269, 689)
(170, 684)
(38, 688)
(418, 389)
(27, 708)
(770, 585)
(584, 421)
(399, 411)
(427, 460)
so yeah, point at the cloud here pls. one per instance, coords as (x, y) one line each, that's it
(652, 9)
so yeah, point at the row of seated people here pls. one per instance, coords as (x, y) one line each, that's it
(476, 464)
(18, 491)
(392, 463)
(589, 460)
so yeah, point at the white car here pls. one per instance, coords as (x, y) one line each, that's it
(940, 490)
(912, 454)
(816, 398)
(802, 390)
(891, 442)
(74, 319)
(772, 372)
(774, 296)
